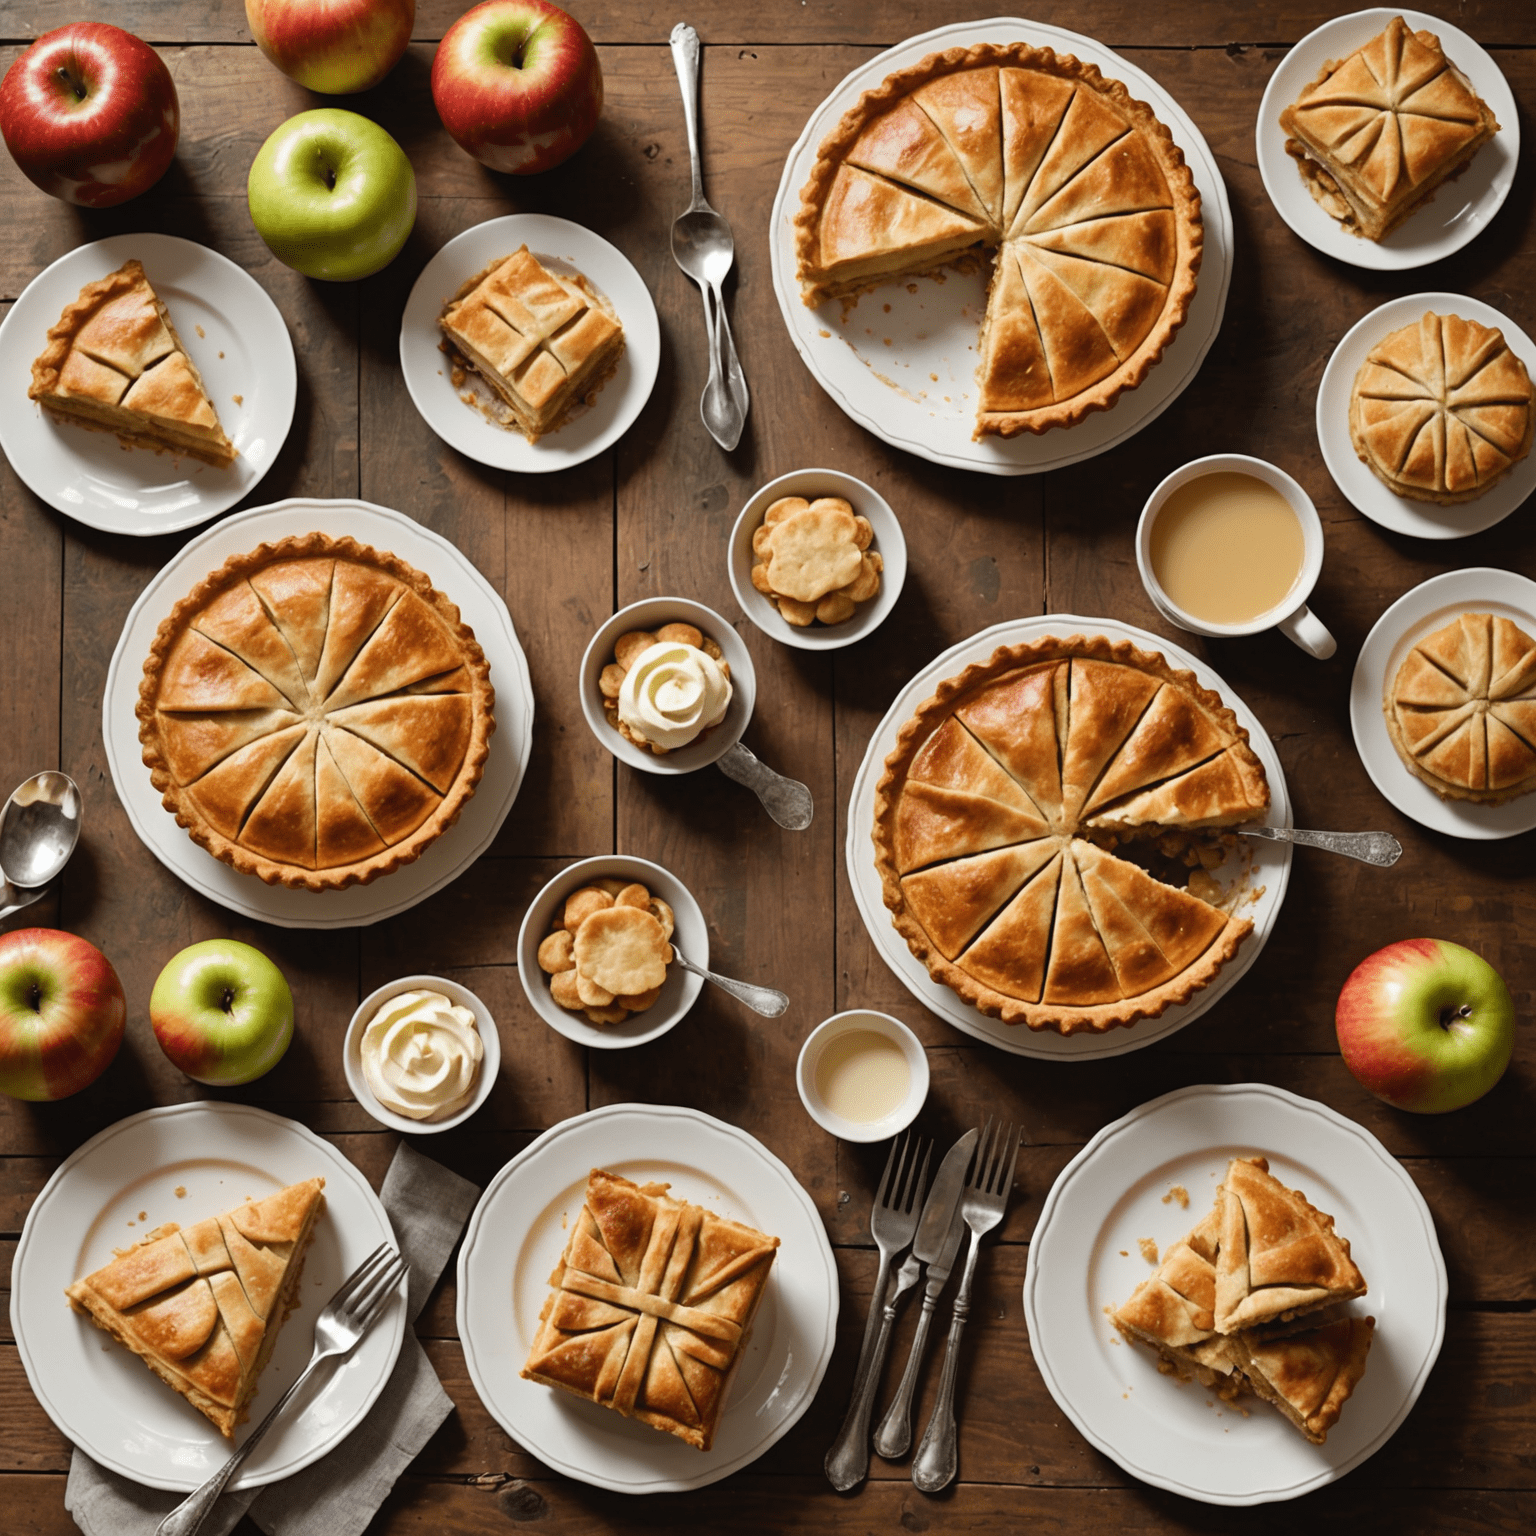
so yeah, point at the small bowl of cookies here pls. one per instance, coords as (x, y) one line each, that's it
(817, 559)
(594, 953)
(667, 685)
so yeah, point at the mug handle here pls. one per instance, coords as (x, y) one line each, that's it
(1309, 632)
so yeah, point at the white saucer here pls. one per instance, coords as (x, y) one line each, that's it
(1270, 868)
(933, 331)
(515, 1239)
(240, 344)
(1084, 1258)
(182, 1163)
(1458, 211)
(1421, 519)
(1415, 614)
(453, 573)
(563, 247)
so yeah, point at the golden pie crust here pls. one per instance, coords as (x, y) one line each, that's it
(1073, 184)
(985, 811)
(202, 1306)
(1461, 710)
(1375, 133)
(1442, 410)
(651, 1305)
(315, 713)
(114, 363)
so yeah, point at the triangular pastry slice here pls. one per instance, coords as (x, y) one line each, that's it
(1308, 1376)
(115, 363)
(203, 1316)
(965, 108)
(905, 145)
(955, 901)
(1010, 953)
(1279, 1256)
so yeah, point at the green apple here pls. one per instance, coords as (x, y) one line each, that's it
(332, 194)
(222, 1012)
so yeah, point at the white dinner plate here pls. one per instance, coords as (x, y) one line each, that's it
(1419, 612)
(1268, 872)
(240, 344)
(452, 573)
(918, 392)
(1084, 1259)
(1421, 519)
(1458, 211)
(514, 1242)
(182, 1163)
(563, 247)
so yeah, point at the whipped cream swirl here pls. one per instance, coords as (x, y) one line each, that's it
(672, 692)
(421, 1055)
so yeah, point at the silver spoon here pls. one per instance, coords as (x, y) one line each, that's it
(39, 828)
(1379, 848)
(788, 801)
(768, 1001)
(703, 248)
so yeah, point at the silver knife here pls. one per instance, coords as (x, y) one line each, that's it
(937, 1241)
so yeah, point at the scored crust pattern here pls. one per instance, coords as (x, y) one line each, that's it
(1461, 710)
(1076, 186)
(651, 1304)
(315, 713)
(983, 820)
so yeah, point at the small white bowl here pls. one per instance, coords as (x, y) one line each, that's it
(678, 993)
(352, 1058)
(652, 613)
(888, 543)
(810, 1058)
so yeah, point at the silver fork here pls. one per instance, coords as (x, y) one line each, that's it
(892, 1221)
(346, 1318)
(986, 1198)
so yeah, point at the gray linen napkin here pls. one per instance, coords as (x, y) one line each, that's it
(339, 1494)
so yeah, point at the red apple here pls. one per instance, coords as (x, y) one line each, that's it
(1426, 1025)
(90, 114)
(61, 1013)
(517, 84)
(335, 47)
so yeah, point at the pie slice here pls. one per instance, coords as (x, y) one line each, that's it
(114, 363)
(202, 1307)
(1174, 734)
(541, 340)
(1279, 1257)
(1010, 954)
(956, 900)
(650, 1307)
(1375, 133)
(1308, 1376)
(1106, 702)
(905, 145)
(964, 106)
(1226, 791)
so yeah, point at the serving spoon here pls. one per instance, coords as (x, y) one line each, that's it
(39, 829)
(787, 801)
(768, 1001)
(1379, 848)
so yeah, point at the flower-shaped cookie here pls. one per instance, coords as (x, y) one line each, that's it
(607, 954)
(813, 559)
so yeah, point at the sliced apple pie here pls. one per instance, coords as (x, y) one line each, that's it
(202, 1306)
(541, 340)
(651, 1305)
(114, 363)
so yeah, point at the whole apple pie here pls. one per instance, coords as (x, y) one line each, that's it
(315, 713)
(1006, 812)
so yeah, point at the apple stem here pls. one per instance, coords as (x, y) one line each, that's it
(35, 997)
(72, 82)
(227, 1001)
(1448, 1016)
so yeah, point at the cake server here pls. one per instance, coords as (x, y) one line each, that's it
(1379, 848)
(39, 828)
(938, 1239)
(703, 248)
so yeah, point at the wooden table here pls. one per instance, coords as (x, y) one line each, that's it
(651, 517)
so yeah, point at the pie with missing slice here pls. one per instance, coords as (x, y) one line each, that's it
(315, 713)
(650, 1307)
(1001, 824)
(1075, 187)
(115, 363)
(202, 1306)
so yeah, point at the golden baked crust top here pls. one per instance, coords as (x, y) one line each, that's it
(1081, 190)
(985, 811)
(315, 712)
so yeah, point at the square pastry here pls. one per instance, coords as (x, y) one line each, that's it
(650, 1307)
(541, 340)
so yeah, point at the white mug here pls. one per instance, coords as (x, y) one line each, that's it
(1290, 616)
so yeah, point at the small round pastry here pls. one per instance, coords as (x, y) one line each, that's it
(1442, 410)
